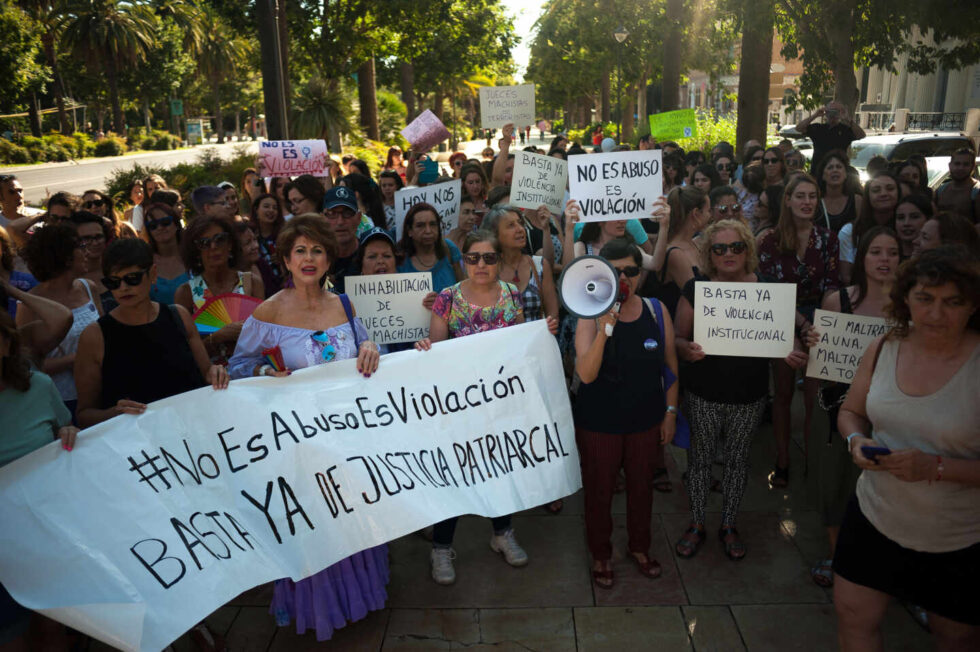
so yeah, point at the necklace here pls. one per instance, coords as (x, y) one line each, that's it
(427, 265)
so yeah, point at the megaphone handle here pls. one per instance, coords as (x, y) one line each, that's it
(609, 327)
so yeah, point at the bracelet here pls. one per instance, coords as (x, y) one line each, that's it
(264, 369)
(850, 437)
(671, 409)
(939, 468)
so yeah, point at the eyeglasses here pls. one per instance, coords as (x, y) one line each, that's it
(87, 240)
(735, 208)
(222, 202)
(722, 248)
(132, 280)
(328, 351)
(770, 161)
(630, 271)
(346, 213)
(490, 258)
(217, 240)
(725, 166)
(94, 203)
(153, 225)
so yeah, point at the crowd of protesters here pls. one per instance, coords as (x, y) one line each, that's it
(98, 306)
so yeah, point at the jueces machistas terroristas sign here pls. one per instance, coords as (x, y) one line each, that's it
(502, 105)
(755, 320)
(616, 185)
(215, 492)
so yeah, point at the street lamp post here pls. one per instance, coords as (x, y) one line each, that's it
(620, 35)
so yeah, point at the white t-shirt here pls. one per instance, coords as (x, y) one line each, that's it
(847, 248)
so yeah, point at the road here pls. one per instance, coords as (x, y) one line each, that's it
(79, 176)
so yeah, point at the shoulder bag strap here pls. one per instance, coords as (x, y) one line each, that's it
(350, 320)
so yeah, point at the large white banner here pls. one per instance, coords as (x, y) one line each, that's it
(616, 185)
(154, 521)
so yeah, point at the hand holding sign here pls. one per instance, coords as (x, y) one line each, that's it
(537, 180)
(503, 105)
(616, 185)
(286, 158)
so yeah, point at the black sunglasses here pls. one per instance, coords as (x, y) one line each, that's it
(630, 271)
(770, 161)
(725, 166)
(216, 240)
(722, 248)
(153, 225)
(490, 258)
(93, 203)
(132, 279)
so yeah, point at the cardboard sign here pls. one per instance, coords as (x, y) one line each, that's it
(444, 197)
(537, 180)
(843, 340)
(750, 320)
(425, 132)
(154, 521)
(502, 105)
(616, 185)
(674, 125)
(390, 305)
(291, 158)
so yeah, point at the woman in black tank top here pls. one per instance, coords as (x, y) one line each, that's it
(141, 351)
(623, 413)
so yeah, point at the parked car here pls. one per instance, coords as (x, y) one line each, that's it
(937, 169)
(898, 147)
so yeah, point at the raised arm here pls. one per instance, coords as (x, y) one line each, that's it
(45, 322)
(500, 164)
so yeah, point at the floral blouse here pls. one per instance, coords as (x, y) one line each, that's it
(815, 275)
(465, 318)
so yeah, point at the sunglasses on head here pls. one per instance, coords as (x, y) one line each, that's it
(630, 271)
(93, 203)
(722, 248)
(217, 240)
(736, 208)
(132, 279)
(153, 225)
(473, 258)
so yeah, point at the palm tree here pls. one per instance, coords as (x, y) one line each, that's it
(108, 33)
(45, 13)
(221, 56)
(322, 110)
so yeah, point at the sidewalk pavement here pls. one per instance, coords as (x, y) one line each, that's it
(764, 602)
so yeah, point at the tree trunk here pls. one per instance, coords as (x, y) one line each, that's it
(273, 84)
(368, 99)
(146, 116)
(437, 105)
(406, 74)
(34, 116)
(641, 106)
(604, 110)
(672, 56)
(627, 116)
(57, 86)
(839, 34)
(753, 78)
(218, 121)
(118, 123)
(284, 49)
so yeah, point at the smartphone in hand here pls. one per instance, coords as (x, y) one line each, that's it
(872, 452)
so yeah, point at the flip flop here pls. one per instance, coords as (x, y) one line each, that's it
(650, 568)
(604, 579)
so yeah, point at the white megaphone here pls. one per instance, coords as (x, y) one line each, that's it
(589, 288)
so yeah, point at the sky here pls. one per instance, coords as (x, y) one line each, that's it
(525, 13)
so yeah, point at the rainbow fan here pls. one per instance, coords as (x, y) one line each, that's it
(222, 310)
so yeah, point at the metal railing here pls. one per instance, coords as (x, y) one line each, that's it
(935, 121)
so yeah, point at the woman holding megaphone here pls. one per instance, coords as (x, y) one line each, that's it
(621, 417)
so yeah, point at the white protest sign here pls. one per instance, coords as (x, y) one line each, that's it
(752, 320)
(425, 132)
(615, 185)
(291, 158)
(502, 105)
(390, 305)
(843, 340)
(444, 197)
(537, 180)
(154, 521)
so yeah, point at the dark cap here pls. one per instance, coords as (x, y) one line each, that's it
(376, 232)
(340, 196)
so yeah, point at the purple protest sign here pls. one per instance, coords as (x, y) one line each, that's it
(425, 132)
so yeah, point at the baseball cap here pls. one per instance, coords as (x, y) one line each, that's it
(340, 196)
(376, 232)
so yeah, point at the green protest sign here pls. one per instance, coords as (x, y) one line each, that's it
(674, 125)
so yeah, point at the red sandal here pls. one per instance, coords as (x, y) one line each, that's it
(650, 568)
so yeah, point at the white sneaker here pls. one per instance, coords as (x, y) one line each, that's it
(506, 543)
(442, 565)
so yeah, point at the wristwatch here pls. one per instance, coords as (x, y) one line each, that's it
(671, 409)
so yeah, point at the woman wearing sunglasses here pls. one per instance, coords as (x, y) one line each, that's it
(142, 351)
(715, 404)
(725, 166)
(774, 166)
(212, 253)
(162, 229)
(312, 326)
(623, 413)
(481, 303)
